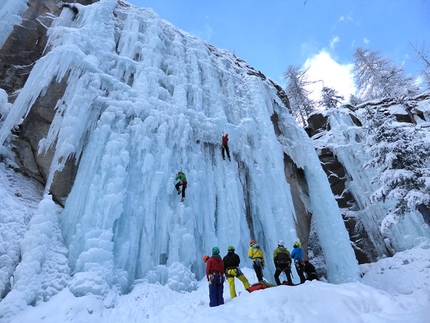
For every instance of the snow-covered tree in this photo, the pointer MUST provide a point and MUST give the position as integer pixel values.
(402, 155)
(376, 77)
(330, 98)
(301, 105)
(354, 100)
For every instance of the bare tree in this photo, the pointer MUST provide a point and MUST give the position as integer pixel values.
(301, 105)
(376, 77)
(423, 55)
(330, 98)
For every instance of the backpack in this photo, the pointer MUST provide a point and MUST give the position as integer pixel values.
(283, 258)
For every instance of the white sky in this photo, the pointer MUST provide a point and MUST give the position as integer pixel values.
(325, 71)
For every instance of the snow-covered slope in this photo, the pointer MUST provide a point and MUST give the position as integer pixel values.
(392, 290)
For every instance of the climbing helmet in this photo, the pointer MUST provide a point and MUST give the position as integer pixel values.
(215, 251)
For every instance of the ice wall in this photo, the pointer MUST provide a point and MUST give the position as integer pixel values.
(143, 101)
(346, 141)
(10, 15)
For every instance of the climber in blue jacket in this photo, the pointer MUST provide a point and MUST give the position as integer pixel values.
(296, 256)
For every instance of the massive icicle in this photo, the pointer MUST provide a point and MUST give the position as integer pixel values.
(143, 101)
(10, 15)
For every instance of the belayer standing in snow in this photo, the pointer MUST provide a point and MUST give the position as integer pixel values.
(309, 270)
(215, 276)
(225, 147)
(282, 260)
(257, 256)
(232, 270)
(297, 255)
(182, 181)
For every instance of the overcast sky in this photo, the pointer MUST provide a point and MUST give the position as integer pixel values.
(271, 35)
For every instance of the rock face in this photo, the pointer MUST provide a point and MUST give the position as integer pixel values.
(337, 176)
(25, 45)
(318, 124)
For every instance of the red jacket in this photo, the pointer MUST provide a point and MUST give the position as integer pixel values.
(214, 264)
(224, 140)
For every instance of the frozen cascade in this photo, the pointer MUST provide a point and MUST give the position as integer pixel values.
(10, 15)
(345, 142)
(144, 100)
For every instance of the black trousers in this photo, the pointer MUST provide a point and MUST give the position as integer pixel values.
(258, 271)
(225, 147)
(287, 271)
(184, 186)
(299, 268)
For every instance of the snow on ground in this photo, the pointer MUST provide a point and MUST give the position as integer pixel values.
(394, 289)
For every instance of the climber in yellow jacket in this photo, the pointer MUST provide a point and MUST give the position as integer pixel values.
(257, 256)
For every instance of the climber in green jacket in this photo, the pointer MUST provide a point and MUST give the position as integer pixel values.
(182, 181)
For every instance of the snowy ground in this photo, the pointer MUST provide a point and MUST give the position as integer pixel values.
(393, 290)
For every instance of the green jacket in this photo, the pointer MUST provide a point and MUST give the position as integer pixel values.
(181, 177)
(278, 251)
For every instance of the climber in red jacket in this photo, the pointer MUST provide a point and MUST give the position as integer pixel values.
(215, 275)
(225, 147)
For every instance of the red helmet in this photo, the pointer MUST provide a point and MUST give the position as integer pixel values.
(226, 134)
(179, 172)
(305, 260)
(252, 242)
(205, 258)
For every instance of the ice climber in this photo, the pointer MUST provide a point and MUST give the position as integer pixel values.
(225, 147)
(182, 181)
(215, 276)
(282, 261)
(232, 270)
(297, 255)
(257, 256)
(309, 270)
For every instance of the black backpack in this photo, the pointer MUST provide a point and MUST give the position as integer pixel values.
(283, 259)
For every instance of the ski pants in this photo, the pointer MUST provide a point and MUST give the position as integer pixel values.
(184, 186)
(225, 147)
(231, 274)
(287, 271)
(258, 268)
(216, 289)
(299, 268)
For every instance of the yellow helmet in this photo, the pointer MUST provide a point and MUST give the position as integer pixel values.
(297, 244)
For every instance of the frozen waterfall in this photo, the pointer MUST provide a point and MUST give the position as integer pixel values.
(143, 101)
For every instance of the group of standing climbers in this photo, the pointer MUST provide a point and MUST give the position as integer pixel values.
(217, 269)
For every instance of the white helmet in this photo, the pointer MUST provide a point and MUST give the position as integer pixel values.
(281, 243)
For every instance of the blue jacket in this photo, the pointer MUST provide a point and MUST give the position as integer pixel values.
(297, 254)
